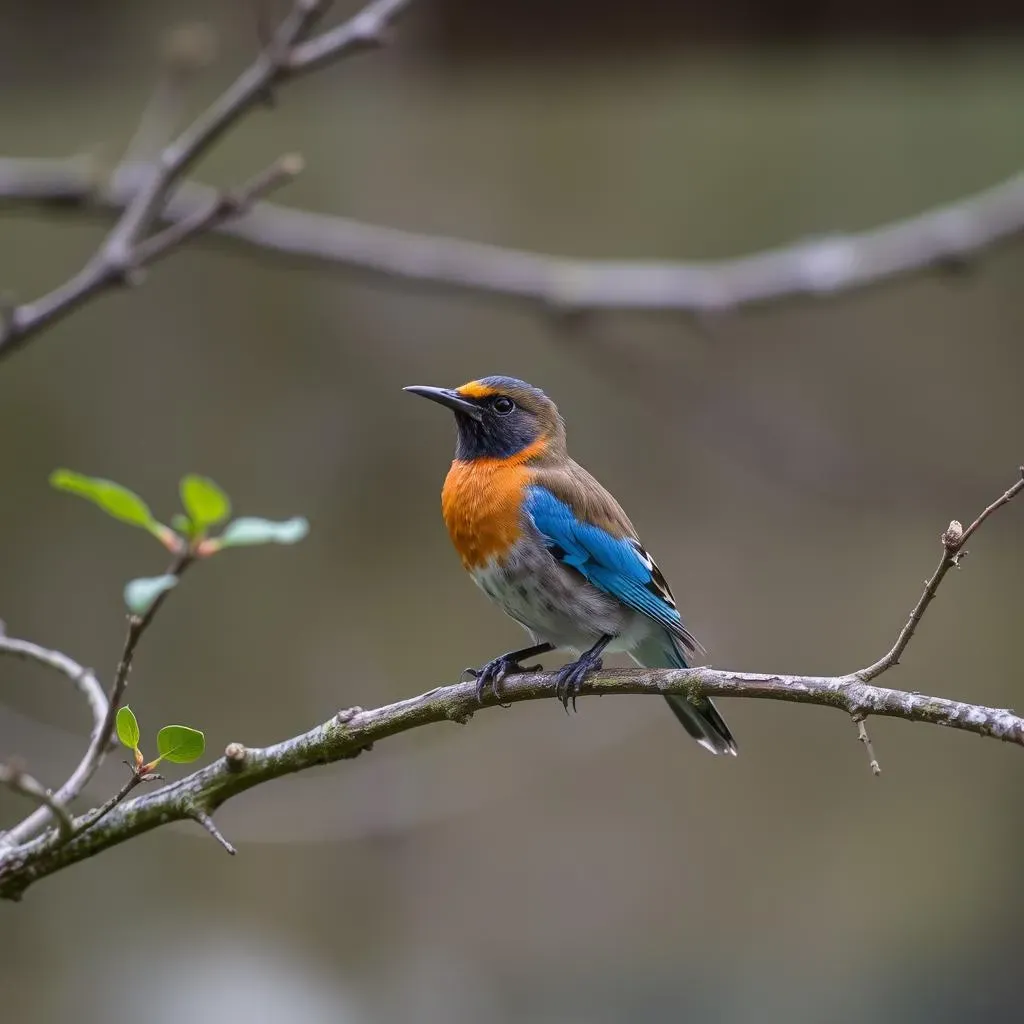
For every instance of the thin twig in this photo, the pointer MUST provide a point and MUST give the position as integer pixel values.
(103, 732)
(361, 32)
(1008, 496)
(862, 735)
(816, 268)
(233, 203)
(19, 781)
(210, 825)
(156, 128)
(90, 818)
(126, 248)
(86, 683)
(137, 626)
(953, 540)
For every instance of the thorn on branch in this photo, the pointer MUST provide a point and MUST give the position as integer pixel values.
(862, 735)
(208, 823)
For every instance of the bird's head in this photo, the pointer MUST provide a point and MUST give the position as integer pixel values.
(500, 418)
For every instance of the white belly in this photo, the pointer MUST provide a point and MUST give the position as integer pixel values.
(555, 604)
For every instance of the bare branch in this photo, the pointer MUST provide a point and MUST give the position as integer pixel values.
(14, 778)
(86, 683)
(222, 208)
(364, 31)
(862, 735)
(129, 245)
(817, 268)
(953, 540)
(156, 129)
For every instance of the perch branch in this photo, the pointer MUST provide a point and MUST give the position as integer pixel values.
(346, 735)
(129, 245)
(350, 732)
(831, 265)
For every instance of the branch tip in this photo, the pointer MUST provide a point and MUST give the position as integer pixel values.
(16, 779)
(954, 536)
(204, 819)
(235, 755)
(190, 47)
(292, 164)
(862, 735)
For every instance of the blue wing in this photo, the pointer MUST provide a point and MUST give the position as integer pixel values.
(620, 566)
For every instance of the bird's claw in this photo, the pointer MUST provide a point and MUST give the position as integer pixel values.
(493, 674)
(571, 677)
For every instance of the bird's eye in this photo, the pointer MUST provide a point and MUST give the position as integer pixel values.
(503, 405)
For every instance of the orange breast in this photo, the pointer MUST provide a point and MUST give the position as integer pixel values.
(481, 503)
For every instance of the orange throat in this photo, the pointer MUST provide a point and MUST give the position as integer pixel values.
(482, 505)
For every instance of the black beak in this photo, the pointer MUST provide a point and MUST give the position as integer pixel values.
(446, 396)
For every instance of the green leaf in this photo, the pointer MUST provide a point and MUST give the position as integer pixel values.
(183, 524)
(127, 728)
(204, 501)
(180, 744)
(250, 530)
(140, 594)
(115, 500)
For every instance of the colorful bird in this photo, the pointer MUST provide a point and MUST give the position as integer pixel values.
(544, 540)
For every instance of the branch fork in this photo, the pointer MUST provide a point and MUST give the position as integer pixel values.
(133, 243)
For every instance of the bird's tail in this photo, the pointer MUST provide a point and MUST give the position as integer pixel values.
(699, 718)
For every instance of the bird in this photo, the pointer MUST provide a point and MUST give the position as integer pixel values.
(550, 545)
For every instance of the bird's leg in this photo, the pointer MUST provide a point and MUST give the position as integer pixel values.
(570, 677)
(497, 668)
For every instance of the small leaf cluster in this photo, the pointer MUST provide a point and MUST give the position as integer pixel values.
(179, 744)
(206, 507)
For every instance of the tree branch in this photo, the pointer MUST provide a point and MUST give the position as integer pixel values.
(86, 683)
(350, 732)
(129, 244)
(104, 710)
(14, 778)
(835, 264)
(953, 540)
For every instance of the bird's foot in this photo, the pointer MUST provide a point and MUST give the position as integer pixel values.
(493, 674)
(570, 677)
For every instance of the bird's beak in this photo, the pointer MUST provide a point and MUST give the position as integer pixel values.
(446, 396)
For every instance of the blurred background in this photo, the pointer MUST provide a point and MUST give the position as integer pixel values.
(791, 467)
